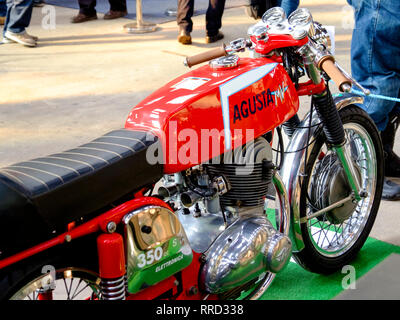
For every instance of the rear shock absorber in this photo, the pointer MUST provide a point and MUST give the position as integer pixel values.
(111, 266)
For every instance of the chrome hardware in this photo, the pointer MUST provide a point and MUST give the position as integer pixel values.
(111, 227)
(162, 247)
(189, 198)
(113, 289)
(354, 81)
(227, 62)
(201, 232)
(274, 16)
(260, 32)
(168, 192)
(237, 45)
(299, 34)
(246, 249)
(302, 18)
(221, 185)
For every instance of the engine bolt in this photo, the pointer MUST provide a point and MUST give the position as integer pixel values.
(111, 227)
(68, 238)
(193, 291)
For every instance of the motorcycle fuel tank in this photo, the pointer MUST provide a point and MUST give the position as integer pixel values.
(226, 106)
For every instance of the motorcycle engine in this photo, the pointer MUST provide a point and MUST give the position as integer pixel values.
(221, 206)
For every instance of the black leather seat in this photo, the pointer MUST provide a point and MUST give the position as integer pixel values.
(44, 194)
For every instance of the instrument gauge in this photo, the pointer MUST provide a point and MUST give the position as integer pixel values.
(274, 16)
(300, 17)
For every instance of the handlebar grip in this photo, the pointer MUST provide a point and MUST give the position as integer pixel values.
(329, 66)
(206, 56)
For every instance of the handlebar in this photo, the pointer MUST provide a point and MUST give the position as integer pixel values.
(206, 56)
(328, 65)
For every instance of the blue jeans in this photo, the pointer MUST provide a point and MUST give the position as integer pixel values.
(375, 55)
(18, 17)
(288, 5)
(3, 8)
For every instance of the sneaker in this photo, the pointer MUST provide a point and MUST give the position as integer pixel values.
(6, 40)
(33, 37)
(184, 37)
(218, 36)
(83, 18)
(22, 38)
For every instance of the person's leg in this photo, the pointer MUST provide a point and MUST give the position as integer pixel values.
(214, 17)
(118, 5)
(117, 9)
(3, 11)
(18, 16)
(288, 5)
(184, 15)
(87, 7)
(3, 8)
(375, 54)
(184, 20)
(375, 63)
(87, 11)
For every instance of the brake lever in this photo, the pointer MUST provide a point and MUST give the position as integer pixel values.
(347, 88)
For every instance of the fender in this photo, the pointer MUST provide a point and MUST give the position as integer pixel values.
(293, 164)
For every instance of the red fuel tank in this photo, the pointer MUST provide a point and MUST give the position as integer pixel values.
(207, 111)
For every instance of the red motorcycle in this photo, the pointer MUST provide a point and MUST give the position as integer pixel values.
(177, 205)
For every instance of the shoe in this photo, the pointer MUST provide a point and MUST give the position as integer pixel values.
(83, 18)
(6, 40)
(33, 37)
(392, 161)
(22, 38)
(218, 36)
(2, 20)
(391, 190)
(114, 14)
(184, 37)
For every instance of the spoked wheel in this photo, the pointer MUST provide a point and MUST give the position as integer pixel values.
(333, 238)
(69, 284)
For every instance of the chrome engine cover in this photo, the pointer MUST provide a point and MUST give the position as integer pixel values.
(247, 248)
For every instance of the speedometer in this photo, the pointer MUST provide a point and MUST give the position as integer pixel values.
(274, 16)
(300, 17)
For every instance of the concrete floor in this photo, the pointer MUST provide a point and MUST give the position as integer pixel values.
(83, 79)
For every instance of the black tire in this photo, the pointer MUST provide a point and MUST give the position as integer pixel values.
(312, 257)
(80, 254)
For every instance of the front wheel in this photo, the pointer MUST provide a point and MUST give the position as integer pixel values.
(334, 238)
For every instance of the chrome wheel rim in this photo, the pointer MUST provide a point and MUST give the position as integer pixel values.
(64, 284)
(333, 240)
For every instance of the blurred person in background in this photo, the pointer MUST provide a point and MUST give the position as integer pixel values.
(3, 11)
(18, 17)
(213, 20)
(256, 8)
(87, 10)
(375, 64)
